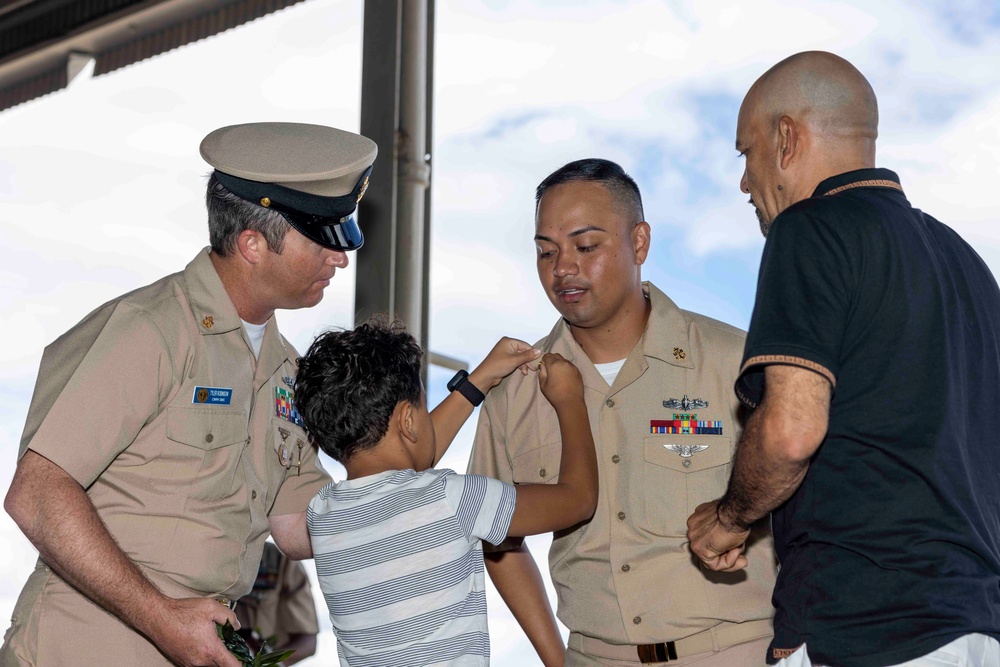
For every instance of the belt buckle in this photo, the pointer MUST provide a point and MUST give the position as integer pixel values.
(662, 652)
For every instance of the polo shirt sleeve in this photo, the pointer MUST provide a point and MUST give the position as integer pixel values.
(804, 294)
(97, 386)
(483, 506)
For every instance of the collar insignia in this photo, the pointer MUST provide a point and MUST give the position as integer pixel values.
(679, 353)
(208, 322)
(685, 403)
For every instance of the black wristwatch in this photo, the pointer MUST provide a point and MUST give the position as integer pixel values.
(464, 386)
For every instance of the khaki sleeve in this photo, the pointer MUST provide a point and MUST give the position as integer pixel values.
(298, 490)
(296, 608)
(97, 386)
(489, 452)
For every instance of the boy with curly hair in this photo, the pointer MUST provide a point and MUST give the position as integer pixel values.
(398, 543)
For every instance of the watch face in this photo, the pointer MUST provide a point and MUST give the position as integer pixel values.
(457, 380)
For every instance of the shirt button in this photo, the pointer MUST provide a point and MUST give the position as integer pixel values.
(610, 402)
(625, 567)
(686, 464)
(637, 620)
(248, 440)
(616, 458)
(209, 438)
(253, 495)
(621, 516)
(541, 473)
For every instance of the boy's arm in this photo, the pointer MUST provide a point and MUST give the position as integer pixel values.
(506, 356)
(291, 535)
(542, 508)
(516, 577)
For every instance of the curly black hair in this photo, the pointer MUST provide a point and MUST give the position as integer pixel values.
(350, 381)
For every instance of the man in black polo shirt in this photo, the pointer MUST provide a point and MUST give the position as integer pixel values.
(873, 367)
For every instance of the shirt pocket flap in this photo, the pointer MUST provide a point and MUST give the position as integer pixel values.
(687, 453)
(538, 466)
(206, 428)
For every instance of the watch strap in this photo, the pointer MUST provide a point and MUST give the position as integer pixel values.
(470, 391)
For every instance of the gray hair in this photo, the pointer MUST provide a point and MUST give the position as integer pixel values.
(228, 215)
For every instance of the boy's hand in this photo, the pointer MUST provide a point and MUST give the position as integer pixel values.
(506, 355)
(559, 380)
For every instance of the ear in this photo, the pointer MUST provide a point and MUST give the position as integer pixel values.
(789, 141)
(640, 241)
(405, 418)
(251, 245)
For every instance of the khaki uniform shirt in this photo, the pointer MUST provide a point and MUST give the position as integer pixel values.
(627, 575)
(156, 405)
(281, 603)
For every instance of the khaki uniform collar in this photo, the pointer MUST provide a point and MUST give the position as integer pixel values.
(665, 338)
(666, 335)
(215, 313)
(211, 306)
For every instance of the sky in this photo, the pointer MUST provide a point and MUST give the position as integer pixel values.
(101, 185)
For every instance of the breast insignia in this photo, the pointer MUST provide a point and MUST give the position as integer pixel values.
(686, 451)
(685, 403)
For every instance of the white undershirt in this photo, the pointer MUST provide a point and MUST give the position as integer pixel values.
(609, 371)
(255, 332)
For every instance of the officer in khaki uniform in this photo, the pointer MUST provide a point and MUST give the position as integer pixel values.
(162, 445)
(280, 606)
(665, 424)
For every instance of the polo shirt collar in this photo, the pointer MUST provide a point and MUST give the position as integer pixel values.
(859, 178)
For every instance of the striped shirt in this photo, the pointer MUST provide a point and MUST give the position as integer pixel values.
(400, 564)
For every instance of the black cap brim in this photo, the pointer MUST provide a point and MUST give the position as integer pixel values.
(337, 235)
(328, 221)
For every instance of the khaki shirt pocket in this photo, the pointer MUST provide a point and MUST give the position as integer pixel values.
(538, 466)
(679, 473)
(211, 435)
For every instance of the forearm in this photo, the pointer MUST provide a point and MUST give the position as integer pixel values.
(454, 410)
(763, 476)
(448, 418)
(517, 579)
(59, 519)
(578, 465)
(541, 508)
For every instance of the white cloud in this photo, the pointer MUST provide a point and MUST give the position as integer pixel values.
(100, 187)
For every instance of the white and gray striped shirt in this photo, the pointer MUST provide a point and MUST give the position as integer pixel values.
(400, 564)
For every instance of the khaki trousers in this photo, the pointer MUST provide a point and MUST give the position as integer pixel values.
(55, 626)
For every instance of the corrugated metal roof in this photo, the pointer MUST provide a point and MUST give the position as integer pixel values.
(37, 36)
(192, 30)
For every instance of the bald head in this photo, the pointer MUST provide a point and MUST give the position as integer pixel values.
(810, 117)
(822, 90)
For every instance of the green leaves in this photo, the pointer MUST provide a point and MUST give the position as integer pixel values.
(238, 647)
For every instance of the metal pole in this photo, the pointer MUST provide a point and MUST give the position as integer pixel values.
(414, 173)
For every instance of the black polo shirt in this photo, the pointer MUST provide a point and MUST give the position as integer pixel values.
(890, 548)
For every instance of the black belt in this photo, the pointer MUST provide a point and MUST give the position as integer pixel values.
(662, 652)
